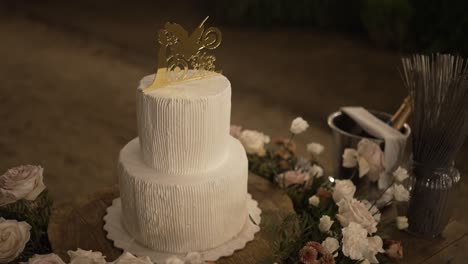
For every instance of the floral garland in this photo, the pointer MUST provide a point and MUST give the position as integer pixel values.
(330, 224)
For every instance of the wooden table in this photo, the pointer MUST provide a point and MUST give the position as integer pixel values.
(79, 224)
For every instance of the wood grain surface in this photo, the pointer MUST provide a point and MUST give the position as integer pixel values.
(79, 224)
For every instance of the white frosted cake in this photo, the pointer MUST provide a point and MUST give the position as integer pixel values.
(183, 182)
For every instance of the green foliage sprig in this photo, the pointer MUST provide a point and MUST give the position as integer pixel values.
(302, 226)
(37, 214)
(269, 166)
(298, 228)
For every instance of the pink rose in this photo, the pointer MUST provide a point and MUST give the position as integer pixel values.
(393, 249)
(22, 182)
(235, 131)
(308, 254)
(292, 177)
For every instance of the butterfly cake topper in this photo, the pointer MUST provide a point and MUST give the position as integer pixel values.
(183, 57)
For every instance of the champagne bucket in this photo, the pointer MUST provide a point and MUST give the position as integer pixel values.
(344, 136)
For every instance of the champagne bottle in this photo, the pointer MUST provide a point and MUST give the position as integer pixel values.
(402, 114)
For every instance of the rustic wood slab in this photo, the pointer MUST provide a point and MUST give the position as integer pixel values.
(445, 249)
(79, 224)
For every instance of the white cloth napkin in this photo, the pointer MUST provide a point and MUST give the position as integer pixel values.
(395, 141)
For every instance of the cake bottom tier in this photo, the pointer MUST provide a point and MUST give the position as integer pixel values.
(183, 213)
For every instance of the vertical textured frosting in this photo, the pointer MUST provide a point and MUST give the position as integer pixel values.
(184, 127)
(186, 213)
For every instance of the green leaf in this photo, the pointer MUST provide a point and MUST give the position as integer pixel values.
(35, 213)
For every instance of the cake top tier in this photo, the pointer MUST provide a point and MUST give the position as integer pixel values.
(184, 127)
(192, 89)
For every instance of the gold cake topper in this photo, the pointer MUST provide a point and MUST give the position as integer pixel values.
(180, 52)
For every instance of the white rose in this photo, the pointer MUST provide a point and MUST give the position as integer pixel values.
(174, 260)
(331, 244)
(22, 182)
(401, 222)
(316, 171)
(352, 210)
(13, 237)
(354, 241)
(386, 198)
(315, 149)
(400, 193)
(81, 256)
(371, 159)
(368, 157)
(365, 261)
(45, 259)
(375, 246)
(373, 210)
(400, 174)
(254, 142)
(314, 200)
(298, 125)
(350, 158)
(325, 224)
(194, 258)
(127, 258)
(343, 189)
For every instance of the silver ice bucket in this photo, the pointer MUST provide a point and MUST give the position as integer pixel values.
(343, 128)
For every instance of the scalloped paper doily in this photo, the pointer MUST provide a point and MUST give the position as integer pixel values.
(123, 240)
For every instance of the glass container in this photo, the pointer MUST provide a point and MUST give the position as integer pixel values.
(433, 198)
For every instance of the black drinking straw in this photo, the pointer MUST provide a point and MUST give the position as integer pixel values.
(438, 86)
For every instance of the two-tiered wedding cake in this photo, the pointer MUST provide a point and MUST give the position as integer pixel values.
(183, 182)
